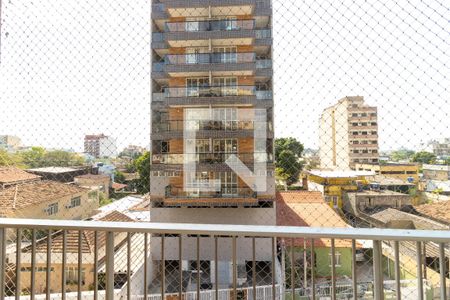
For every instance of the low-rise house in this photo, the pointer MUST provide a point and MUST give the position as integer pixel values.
(404, 172)
(334, 184)
(88, 249)
(47, 200)
(438, 187)
(10, 176)
(365, 200)
(62, 174)
(382, 182)
(306, 208)
(436, 172)
(99, 182)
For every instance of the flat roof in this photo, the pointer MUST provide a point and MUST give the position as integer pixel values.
(436, 167)
(386, 180)
(388, 164)
(54, 170)
(380, 193)
(340, 174)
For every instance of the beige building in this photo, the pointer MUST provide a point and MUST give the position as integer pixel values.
(94, 182)
(47, 200)
(403, 172)
(436, 172)
(348, 134)
(10, 142)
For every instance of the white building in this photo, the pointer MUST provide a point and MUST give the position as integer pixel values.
(100, 146)
(348, 134)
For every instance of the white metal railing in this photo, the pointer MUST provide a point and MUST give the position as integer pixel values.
(107, 246)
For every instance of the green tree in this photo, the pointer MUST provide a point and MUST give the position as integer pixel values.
(142, 164)
(424, 157)
(8, 159)
(402, 154)
(288, 152)
(119, 177)
(34, 157)
(60, 158)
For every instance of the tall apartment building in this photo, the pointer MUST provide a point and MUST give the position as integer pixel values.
(10, 142)
(100, 146)
(348, 134)
(212, 101)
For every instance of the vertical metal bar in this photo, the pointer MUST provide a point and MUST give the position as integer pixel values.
(63, 265)
(216, 262)
(33, 265)
(49, 265)
(198, 267)
(305, 268)
(80, 262)
(398, 288)
(234, 269)
(442, 271)
(2, 260)
(254, 267)
(292, 269)
(313, 265)
(180, 255)
(274, 252)
(18, 262)
(354, 276)
(128, 265)
(377, 271)
(95, 265)
(146, 266)
(333, 270)
(109, 290)
(419, 270)
(163, 268)
(424, 260)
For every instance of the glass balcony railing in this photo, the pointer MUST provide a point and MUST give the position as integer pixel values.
(209, 58)
(209, 158)
(221, 192)
(210, 25)
(206, 125)
(263, 34)
(211, 91)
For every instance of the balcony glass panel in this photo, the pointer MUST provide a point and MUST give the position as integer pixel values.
(208, 58)
(210, 91)
(210, 25)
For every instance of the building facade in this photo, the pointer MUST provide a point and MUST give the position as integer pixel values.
(100, 146)
(436, 172)
(404, 172)
(348, 134)
(211, 105)
(10, 142)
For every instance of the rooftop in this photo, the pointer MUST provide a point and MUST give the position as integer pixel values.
(54, 170)
(394, 218)
(21, 196)
(380, 193)
(436, 167)
(385, 180)
(340, 174)
(433, 185)
(439, 211)
(93, 176)
(388, 164)
(15, 175)
(308, 209)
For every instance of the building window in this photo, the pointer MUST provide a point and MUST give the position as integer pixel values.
(72, 275)
(74, 202)
(52, 209)
(165, 148)
(337, 259)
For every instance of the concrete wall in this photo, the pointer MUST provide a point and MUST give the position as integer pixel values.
(355, 202)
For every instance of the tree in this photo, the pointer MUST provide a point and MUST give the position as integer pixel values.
(424, 157)
(9, 159)
(34, 157)
(38, 157)
(142, 164)
(402, 154)
(288, 152)
(119, 177)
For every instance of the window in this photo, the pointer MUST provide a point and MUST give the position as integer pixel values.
(225, 146)
(52, 209)
(72, 275)
(228, 182)
(74, 202)
(165, 147)
(337, 259)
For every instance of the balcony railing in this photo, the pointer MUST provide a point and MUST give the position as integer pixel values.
(207, 125)
(209, 58)
(205, 190)
(209, 158)
(210, 25)
(211, 91)
(122, 264)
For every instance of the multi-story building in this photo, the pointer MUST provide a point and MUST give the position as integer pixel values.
(10, 142)
(100, 146)
(436, 172)
(404, 172)
(440, 147)
(348, 134)
(212, 103)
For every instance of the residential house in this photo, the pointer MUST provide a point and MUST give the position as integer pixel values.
(10, 176)
(405, 172)
(62, 174)
(94, 182)
(368, 200)
(436, 172)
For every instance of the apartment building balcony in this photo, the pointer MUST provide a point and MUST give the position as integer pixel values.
(361, 127)
(206, 95)
(210, 158)
(124, 270)
(173, 129)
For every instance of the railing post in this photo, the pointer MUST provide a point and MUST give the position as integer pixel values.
(2, 261)
(109, 293)
(377, 271)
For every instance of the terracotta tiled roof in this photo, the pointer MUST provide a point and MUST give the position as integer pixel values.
(14, 175)
(87, 237)
(308, 209)
(118, 186)
(93, 176)
(438, 211)
(23, 195)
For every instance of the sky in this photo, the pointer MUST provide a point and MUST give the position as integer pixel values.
(70, 68)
